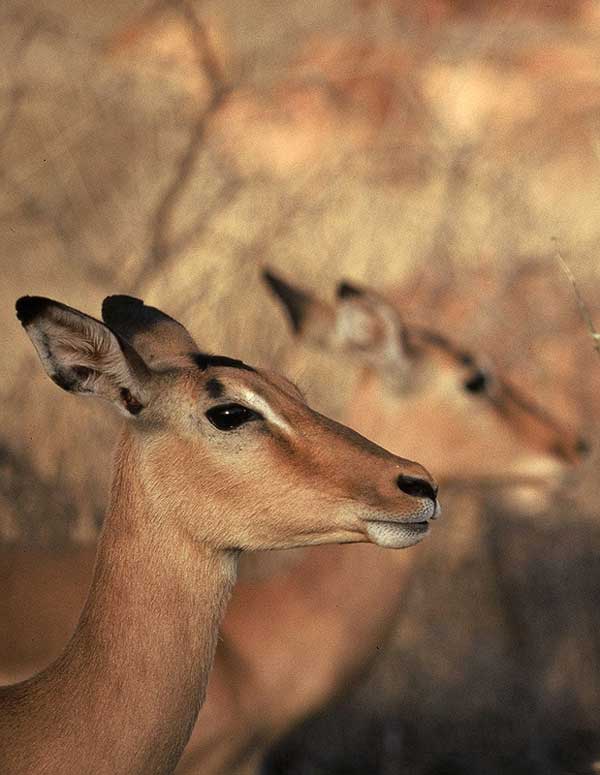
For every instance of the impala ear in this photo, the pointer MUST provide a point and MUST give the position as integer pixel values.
(296, 302)
(357, 325)
(311, 318)
(82, 355)
(156, 336)
(346, 290)
(361, 324)
(369, 325)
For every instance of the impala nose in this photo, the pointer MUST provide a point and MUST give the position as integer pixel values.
(419, 488)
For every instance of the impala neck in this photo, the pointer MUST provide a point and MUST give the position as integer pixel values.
(123, 697)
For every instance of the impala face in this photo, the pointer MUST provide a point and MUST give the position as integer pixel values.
(279, 474)
(299, 477)
(478, 423)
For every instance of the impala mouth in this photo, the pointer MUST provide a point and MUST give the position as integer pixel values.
(401, 532)
(396, 535)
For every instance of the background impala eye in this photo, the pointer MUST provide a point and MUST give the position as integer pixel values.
(477, 383)
(228, 417)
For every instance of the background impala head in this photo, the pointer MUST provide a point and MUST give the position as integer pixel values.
(202, 423)
(360, 324)
(472, 419)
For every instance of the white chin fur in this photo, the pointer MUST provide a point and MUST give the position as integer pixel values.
(396, 535)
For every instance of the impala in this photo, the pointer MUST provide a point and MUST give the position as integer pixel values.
(484, 424)
(301, 625)
(216, 457)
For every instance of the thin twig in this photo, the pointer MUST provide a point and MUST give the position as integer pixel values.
(583, 307)
(162, 245)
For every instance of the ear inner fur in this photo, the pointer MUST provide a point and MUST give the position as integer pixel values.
(81, 354)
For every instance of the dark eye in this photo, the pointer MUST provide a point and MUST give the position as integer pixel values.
(477, 383)
(228, 417)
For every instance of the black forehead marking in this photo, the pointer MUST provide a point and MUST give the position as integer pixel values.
(204, 361)
(215, 388)
(438, 340)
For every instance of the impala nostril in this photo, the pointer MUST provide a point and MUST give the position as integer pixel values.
(419, 488)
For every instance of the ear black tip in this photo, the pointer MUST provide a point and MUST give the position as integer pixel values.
(346, 290)
(271, 279)
(29, 307)
(118, 302)
(295, 301)
(278, 286)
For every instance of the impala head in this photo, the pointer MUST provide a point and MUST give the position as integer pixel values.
(441, 402)
(233, 453)
(360, 324)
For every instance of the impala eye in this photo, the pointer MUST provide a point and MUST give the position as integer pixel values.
(477, 383)
(228, 417)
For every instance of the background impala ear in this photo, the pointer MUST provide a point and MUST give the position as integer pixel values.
(368, 324)
(346, 290)
(311, 318)
(82, 355)
(156, 336)
(361, 323)
(296, 302)
(358, 327)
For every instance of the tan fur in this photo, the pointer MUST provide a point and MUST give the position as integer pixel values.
(186, 497)
(301, 625)
(313, 606)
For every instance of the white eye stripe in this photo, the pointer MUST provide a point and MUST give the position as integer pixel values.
(259, 404)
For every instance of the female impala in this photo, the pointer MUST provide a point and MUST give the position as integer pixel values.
(217, 457)
(434, 395)
(296, 634)
(483, 423)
